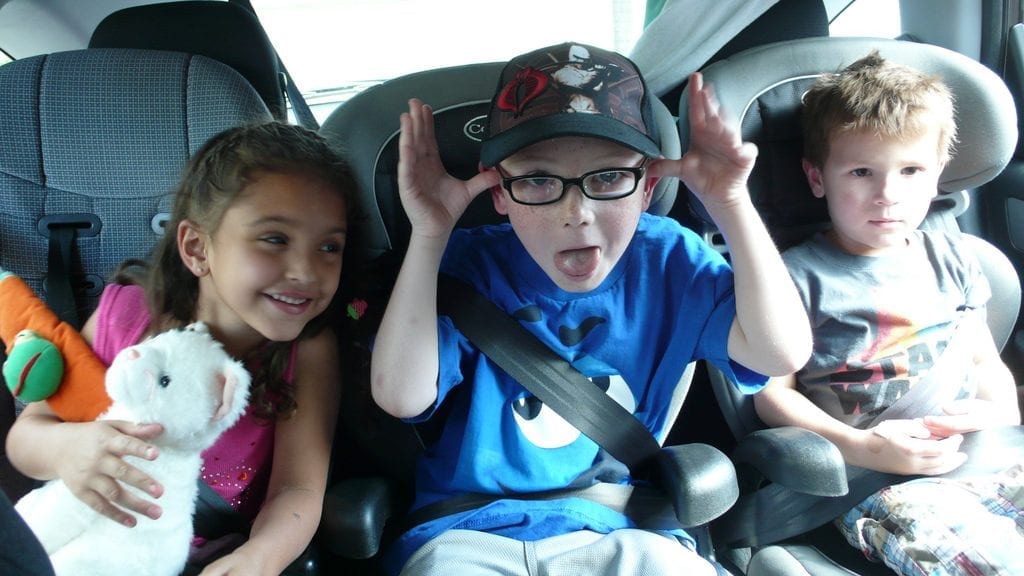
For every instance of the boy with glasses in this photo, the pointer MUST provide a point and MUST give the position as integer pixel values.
(628, 298)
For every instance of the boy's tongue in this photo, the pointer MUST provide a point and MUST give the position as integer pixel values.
(579, 262)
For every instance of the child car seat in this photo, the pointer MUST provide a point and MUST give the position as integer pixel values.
(760, 90)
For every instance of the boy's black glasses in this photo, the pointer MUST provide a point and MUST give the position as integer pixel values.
(604, 184)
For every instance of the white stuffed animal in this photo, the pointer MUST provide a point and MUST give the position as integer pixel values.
(184, 380)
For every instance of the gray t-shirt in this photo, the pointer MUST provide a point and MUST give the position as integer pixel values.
(880, 322)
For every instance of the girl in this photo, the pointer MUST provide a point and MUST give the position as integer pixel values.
(253, 249)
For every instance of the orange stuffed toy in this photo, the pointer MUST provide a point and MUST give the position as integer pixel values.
(81, 396)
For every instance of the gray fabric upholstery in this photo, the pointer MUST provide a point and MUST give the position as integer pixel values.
(104, 133)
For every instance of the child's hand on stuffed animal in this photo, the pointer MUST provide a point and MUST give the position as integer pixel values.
(95, 471)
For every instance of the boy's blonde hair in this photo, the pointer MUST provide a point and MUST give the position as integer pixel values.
(880, 97)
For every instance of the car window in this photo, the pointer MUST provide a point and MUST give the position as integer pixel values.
(877, 18)
(335, 48)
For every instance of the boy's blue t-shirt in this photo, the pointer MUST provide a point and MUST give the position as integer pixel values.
(667, 302)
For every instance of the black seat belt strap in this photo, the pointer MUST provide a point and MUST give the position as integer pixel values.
(59, 295)
(549, 377)
(214, 516)
(303, 114)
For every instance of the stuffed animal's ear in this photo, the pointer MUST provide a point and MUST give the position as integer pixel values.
(227, 384)
(229, 380)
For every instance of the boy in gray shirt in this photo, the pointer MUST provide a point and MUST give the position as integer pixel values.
(903, 362)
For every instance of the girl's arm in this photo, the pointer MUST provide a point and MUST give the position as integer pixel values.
(290, 515)
(900, 446)
(771, 333)
(404, 364)
(87, 456)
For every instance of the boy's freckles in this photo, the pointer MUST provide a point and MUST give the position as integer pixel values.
(577, 241)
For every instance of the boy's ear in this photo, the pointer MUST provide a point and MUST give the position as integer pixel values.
(498, 196)
(649, 185)
(500, 200)
(814, 178)
(192, 247)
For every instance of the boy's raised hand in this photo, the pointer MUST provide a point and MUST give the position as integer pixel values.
(718, 163)
(433, 199)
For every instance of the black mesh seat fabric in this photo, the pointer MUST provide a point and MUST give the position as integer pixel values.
(223, 31)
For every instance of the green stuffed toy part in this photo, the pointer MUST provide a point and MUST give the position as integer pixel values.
(34, 368)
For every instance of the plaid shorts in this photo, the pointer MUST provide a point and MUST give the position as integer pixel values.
(937, 526)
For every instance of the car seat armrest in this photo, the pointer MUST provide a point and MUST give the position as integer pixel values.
(700, 480)
(794, 458)
(355, 511)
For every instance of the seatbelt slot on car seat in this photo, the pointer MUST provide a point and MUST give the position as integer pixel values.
(62, 229)
(158, 224)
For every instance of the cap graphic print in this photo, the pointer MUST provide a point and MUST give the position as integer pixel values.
(569, 90)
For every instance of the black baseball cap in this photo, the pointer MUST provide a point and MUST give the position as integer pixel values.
(569, 90)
